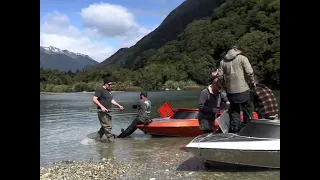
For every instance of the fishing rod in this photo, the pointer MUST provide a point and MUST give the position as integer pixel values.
(109, 110)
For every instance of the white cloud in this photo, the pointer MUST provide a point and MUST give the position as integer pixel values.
(101, 21)
(57, 31)
(107, 19)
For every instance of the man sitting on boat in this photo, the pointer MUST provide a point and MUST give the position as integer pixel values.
(143, 117)
(209, 104)
(265, 102)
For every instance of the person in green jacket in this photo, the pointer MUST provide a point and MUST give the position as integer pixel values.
(237, 76)
(143, 107)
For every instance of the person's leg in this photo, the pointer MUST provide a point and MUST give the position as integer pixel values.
(272, 117)
(234, 113)
(106, 124)
(205, 125)
(130, 129)
(246, 110)
(260, 116)
(100, 133)
(101, 130)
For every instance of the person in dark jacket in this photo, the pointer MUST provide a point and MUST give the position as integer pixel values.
(143, 107)
(265, 102)
(209, 103)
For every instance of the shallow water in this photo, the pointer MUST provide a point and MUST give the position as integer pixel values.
(68, 122)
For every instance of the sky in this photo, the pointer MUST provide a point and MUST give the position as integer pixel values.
(99, 28)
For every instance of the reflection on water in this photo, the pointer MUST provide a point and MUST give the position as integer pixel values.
(68, 123)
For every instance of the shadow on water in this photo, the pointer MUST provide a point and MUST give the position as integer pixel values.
(195, 164)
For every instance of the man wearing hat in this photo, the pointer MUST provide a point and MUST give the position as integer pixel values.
(237, 75)
(103, 98)
(143, 107)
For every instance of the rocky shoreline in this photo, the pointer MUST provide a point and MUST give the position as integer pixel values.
(106, 169)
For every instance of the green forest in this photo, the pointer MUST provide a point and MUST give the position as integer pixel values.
(188, 60)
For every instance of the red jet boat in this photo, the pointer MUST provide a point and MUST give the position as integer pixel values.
(181, 122)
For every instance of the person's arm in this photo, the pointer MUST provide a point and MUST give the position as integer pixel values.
(135, 106)
(248, 70)
(255, 98)
(116, 104)
(202, 106)
(224, 98)
(97, 94)
(220, 73)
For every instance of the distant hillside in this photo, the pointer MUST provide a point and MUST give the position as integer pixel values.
(188, 46)
(169, 29)
(55, 58)
(112, 59)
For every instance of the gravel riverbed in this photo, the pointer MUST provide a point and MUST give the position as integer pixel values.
(162, 165)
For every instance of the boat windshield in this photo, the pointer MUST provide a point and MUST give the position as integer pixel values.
(185, 115)
(261, 129)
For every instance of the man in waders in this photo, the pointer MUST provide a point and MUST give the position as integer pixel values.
(265, 102)
(104, 100)
(143, 107)
(237, 76)
(209, 103)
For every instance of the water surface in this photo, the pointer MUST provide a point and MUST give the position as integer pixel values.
(66, 121)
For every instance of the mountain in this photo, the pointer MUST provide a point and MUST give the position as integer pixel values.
(55, 58)
(190, 42)
(112, 59)
(169, 29)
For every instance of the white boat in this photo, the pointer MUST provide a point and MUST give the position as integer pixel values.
(257, 144)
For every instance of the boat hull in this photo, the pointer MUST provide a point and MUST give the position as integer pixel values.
(178, 122)
(257, 144)
(174, 128)
(268, 159)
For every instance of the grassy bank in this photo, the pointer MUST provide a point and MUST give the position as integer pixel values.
(120, 86)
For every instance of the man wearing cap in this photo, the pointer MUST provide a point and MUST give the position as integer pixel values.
(143, 107)
(237, 75)
(103, 98)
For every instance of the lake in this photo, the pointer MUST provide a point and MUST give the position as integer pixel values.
(67, 119)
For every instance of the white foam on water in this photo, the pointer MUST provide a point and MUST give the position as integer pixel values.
(87, 141)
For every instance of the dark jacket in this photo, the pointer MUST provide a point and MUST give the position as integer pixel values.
(209, 104)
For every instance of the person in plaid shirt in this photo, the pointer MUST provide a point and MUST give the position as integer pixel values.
(264, 101)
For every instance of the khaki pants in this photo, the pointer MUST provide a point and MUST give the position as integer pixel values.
(106, 124)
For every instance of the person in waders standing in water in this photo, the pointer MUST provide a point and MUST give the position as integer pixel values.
(237, 76)
(103, 98)
(143, 107)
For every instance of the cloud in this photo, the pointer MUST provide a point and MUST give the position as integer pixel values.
(108, 20)
(57, 31)
(101, 21)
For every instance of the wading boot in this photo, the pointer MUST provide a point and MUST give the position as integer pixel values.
(98, 137)
(111, 136)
